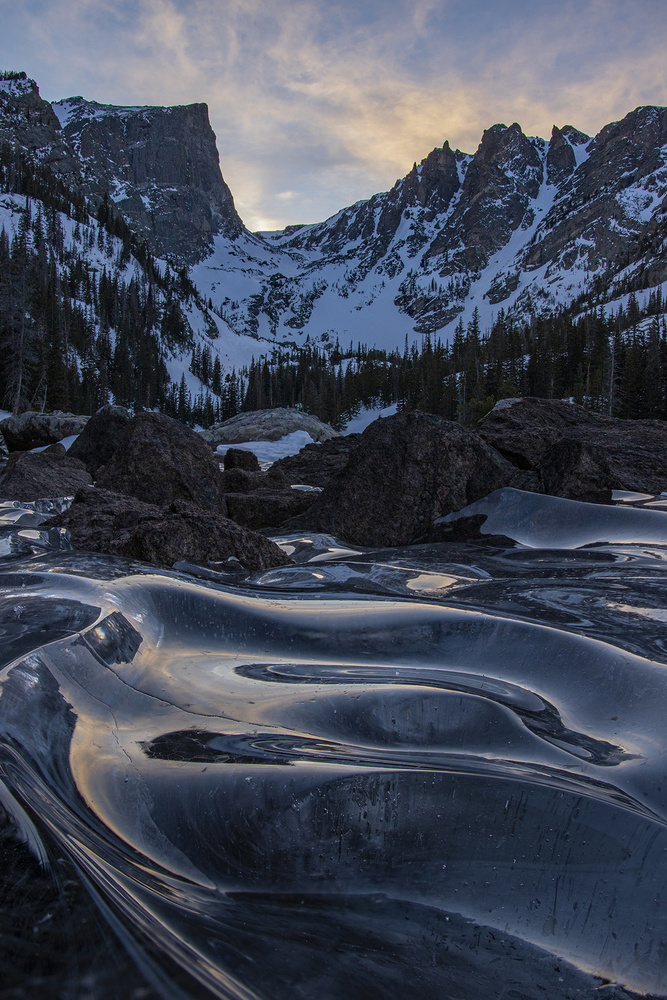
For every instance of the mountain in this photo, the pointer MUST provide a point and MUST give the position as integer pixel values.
(92, 201)
(522, 229)
(159, 166)
(523, 225)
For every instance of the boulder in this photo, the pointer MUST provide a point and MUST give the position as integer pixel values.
(262, 499)
(52, 473)
(97, 443)
(268, 508)
(577, 470)
(239, 458)
(524, 429)
(576, 453)
(34, 430)
(266, 425)
(317, 464)
(102, 521)
(405, 471)
(242, 481)
(159, 460)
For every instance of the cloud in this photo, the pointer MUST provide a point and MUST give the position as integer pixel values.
(329, 100)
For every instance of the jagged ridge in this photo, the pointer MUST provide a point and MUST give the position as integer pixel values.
(523, 225)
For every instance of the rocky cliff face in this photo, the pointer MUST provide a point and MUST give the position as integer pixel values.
(504, 177)
(159, 166)
(611, 210)
(26, 119)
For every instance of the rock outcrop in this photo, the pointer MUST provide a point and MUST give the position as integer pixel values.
(403, 473)
(102, 521)
(263, 499)
(561, 156)
(239, 458)
(575, 453)
(503, 178)
(36, 430)
(597, 220)
(97, 443)
(160, 167)
(159, 460)
(524, 429)
(268, 509)
(318, 464)
(29, 121)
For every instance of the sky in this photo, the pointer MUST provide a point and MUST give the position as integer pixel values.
(319, 103)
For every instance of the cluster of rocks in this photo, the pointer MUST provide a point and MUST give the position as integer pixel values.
(37, 430)
(406, 471)
(160, 496)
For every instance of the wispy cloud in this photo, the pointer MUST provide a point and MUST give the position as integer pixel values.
(317, 103)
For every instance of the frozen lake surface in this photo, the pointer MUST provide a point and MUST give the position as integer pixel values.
(439, 769)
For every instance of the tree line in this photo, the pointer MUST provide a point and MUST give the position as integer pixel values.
(87, 316)
(614, 363)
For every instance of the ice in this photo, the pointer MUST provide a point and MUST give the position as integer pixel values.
(554, 523)
(66, 442)
(439, 764)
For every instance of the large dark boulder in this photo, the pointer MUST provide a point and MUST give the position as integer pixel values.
(97, 443)
(159, 460)
(405, 471)
(36, 430)
(523, 430)
(51, 473)
(242, 481)
(576, 469)
(317, 464)
(576, 453)
(102, 521)
(240, 458)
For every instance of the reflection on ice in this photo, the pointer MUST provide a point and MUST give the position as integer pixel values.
(440, 767)
(19, 520)
(553, 523)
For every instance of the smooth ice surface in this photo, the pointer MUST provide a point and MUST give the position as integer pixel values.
(553, 522)
(438, 769)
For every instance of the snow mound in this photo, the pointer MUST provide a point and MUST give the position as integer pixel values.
(268, 452)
